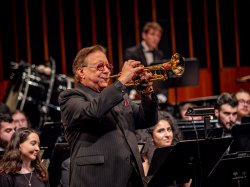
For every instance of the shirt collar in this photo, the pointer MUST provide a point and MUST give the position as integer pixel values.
(145, 46)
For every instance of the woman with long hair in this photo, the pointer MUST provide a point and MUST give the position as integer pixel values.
(21, 164)
(165, 133)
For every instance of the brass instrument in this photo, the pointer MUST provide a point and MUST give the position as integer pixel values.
(160, 71)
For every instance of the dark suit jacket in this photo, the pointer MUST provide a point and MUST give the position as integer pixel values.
(64, 182)
(101, 153)
(136, 53)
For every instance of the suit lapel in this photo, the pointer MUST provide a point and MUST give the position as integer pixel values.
(141, 55)
(130, 140)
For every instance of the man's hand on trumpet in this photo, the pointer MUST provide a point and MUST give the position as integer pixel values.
(134, 74)
(146, 84)
(130, 71)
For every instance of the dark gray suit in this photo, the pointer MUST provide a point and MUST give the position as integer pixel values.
(64, 181)
(100, 129)
(136, 53)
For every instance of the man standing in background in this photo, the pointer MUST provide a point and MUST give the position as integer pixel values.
(147, 51)
(148, 54)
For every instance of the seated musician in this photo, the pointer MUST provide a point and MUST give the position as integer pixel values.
(243, 109)
(7, 128)
(20, 119)
(163, 134)
(226, 112)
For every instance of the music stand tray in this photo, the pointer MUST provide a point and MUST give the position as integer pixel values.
(232, 171)
(195, 129)
(187, 159)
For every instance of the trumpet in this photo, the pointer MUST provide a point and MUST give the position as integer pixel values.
(176, 65)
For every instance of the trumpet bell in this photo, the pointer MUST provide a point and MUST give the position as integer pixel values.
(175, 65)
(178, 64)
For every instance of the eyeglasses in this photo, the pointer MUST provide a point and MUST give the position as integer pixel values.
(100, 66)
(242, 101)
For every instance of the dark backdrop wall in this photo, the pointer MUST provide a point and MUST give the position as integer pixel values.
(213, 31)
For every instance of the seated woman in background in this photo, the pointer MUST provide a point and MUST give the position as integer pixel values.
(21, 163)
(165, 133)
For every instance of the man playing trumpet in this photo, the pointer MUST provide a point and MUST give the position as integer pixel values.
(100, 121)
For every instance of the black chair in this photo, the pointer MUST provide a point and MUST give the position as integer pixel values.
(60, 153)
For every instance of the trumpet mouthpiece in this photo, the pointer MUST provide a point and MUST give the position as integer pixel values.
(114, 76)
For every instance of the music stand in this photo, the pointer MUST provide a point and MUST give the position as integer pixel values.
(241, 138)
(195, 129)
(187, 159)
(192, 134)
(50, 134)
(206, 112)
(190, 77)
(232, 171)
